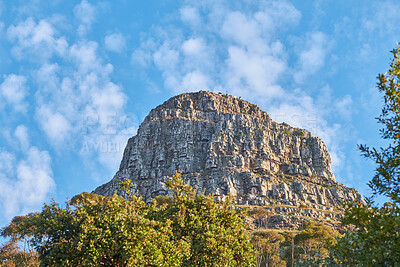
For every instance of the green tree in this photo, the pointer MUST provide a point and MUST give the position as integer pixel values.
(261, 216)
(387, 176)
(92, 230)
(214, 232)
(99, 231)
(267, 245)
(315, 240)
(18, 250)
(376, 238)
(11, 255)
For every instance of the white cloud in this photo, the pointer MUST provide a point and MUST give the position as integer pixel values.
(47, 77)
(166, 57)
(254, 74)
(298, 111)
(84, 55)
(384, 20)
(365, 52)
(194, 47)
(312, 58)
(344, 107)
(195, 81)
(141, 57)
(190, 15)
(338, 109)
(25, 183)
(54, 124)
(21, 133)
(86, 14)
(79, 106)
(242, 30)
(34, 177)
(37, 39)
(109, 147)
(108, 102)
(7, 161)
(76, 89)
(233, 49)
(277, 14)
(14, 90)
(115, 42)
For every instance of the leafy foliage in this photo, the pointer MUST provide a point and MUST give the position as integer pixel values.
(214, 233)
(315, 240)
(387, 177)
(187, 230)
(376, 239)
(261, 216)
(11, 255)
(18, 251)
(267, 246)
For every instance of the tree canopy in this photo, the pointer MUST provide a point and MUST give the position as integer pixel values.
(92, 230)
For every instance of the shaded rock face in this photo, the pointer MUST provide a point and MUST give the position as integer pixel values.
(224, 145)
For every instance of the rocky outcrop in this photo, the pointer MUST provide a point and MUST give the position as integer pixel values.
(224, 145)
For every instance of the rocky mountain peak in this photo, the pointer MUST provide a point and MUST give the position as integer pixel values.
(222, 144)
(194, 105)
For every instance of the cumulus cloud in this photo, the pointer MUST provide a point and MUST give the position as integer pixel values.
(253, 73)
(14, 90)
(190, 15)
(115, 42)
(344, 107)
(336, 108)
(277, 14)
(193, 47)
(232, 49)
(7, 162)
(55, 125)
(76, 103)
(312, 58)
(87, 104)
(21, 133)
(84, 55)
(24, 183)
(166, 57)
(38, 39)
(86, 14)
(141, 57)
(384, 20)
(195, 81)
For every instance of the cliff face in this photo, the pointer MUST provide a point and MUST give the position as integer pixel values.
(225, 145)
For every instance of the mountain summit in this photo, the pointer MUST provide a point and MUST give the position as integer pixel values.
(224, 145)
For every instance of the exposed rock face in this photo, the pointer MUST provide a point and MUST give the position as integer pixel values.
(225, 145)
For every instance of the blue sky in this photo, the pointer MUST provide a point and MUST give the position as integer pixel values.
(78, 77)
